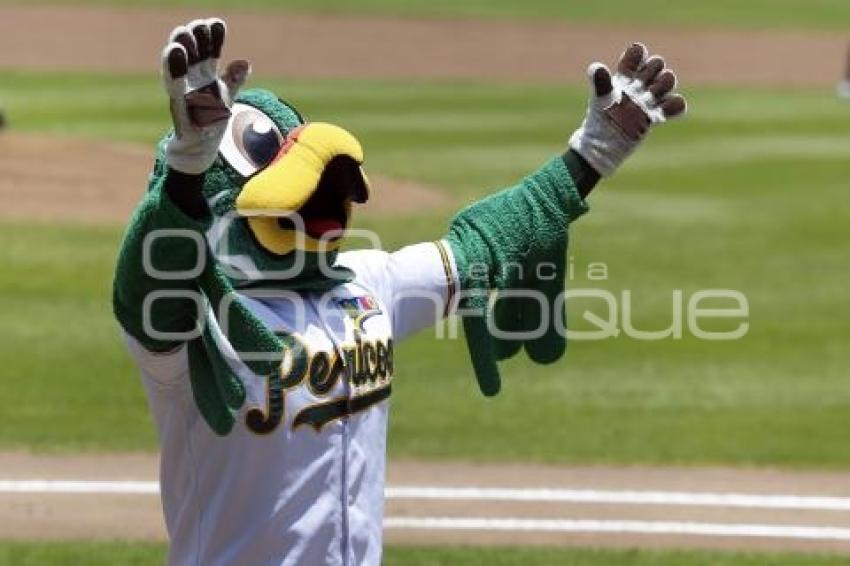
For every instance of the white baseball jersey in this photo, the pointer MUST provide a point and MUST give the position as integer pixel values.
(300, 478)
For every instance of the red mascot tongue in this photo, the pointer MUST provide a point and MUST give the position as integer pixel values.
(318, 227)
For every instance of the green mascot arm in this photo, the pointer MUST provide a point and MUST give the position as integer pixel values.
(514, 243)
(515, 240)
(162, 242)
(169, 289)
(164, 260)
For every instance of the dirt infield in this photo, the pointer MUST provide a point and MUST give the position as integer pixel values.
(124, 39)
(90, 181)
(125, 515)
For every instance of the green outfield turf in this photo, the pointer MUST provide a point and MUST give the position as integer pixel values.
(749, 193)
(752, 13)
(138, 554)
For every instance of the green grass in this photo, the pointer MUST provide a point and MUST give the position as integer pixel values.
(67, 381)
(89, 553)
(137, 554)
(748, 193)
(752, 13)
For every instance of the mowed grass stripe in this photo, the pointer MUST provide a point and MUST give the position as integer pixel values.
(753, 13)
(132, 554)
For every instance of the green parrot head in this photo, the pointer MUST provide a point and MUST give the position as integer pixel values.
(281, 191)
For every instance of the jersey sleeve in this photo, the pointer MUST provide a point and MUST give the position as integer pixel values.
(418, 283)
(163, 368)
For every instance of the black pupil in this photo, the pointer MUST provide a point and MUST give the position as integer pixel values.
(261, 146)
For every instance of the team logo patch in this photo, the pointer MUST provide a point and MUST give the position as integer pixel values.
(359, 309)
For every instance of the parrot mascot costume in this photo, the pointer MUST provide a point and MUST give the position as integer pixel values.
(267, 354)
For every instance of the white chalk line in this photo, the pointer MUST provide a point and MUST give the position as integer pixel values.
(618, 527)
(541, 495)
(694, 499)
(129, 487)
(135, 487)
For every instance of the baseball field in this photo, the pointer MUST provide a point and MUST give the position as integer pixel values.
(675, 450)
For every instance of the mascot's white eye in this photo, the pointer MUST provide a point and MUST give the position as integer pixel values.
(251, 141)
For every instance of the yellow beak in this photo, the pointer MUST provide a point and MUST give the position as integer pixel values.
(288, 182)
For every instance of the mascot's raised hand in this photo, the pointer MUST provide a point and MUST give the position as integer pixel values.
(530, 222)
(624, 107)
(169, 288)
(200, 99)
